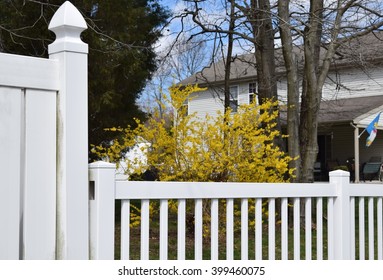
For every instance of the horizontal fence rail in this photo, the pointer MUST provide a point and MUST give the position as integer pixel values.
(195, 220)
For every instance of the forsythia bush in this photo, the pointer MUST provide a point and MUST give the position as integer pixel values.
(231, 147)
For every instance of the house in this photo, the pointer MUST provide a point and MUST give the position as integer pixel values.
(352, 97)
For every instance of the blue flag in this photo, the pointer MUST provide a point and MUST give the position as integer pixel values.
(372, 130)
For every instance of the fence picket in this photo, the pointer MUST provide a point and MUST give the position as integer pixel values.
(125, 229)
(145, 229)
(229, 229)
(198, 224)
(181, 232)
(284, 231)
(361, 229)
(330, 228)
(258, 229)
(271, 231)
(308, 236)
(163, 229)
(297, 228)
(371, 232)
(244, 229)
(352, 224)
(214, 229)
(380, 228)
(319, 226)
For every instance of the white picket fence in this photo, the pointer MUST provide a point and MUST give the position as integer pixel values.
(337, 206)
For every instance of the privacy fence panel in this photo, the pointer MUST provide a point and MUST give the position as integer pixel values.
(27, 173)
(28, 92)
(44, 147)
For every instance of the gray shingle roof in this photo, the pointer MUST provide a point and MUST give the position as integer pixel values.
(345, 110)
(359, 51)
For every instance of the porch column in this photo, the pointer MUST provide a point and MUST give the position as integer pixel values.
(356, 153)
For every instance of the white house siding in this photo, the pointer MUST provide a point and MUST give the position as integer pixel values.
(348, 83)
(212, 101)
(354, 83)
(205, 102)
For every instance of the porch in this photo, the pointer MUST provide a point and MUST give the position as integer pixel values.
(341, 140)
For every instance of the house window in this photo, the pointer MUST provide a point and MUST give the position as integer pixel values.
(252, 92)
(234, 98)
(184, 110)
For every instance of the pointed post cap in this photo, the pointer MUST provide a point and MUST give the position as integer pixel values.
(68, 24)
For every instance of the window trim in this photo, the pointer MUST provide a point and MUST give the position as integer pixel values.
(234, 99)
(252, 92)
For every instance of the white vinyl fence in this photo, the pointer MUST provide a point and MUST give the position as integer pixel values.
(51, 209)
(43, 147)
(334, 222)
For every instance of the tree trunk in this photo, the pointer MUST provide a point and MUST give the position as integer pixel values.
(263, 32)
(292, 86)
(229, 58)
(312, 92)
(264, 50)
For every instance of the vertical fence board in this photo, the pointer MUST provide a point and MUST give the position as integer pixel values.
(330, 228)
(308, 235)
(297, 228)
(145, 229)
(198, 224)
(361, 229)
(11, 169)
(229, 229)
(380, 228)
(163, 229)
(40, 179)
(285, 228)
(214, 229)
(319, 220)
(181, 232)
(352, 225)
(371, 232)
(125, 229)
(258, 229)
(271, 232)
(244, 229)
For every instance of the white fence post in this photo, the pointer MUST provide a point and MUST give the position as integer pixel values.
(72, 133)
(342, 223)
(101, 210)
